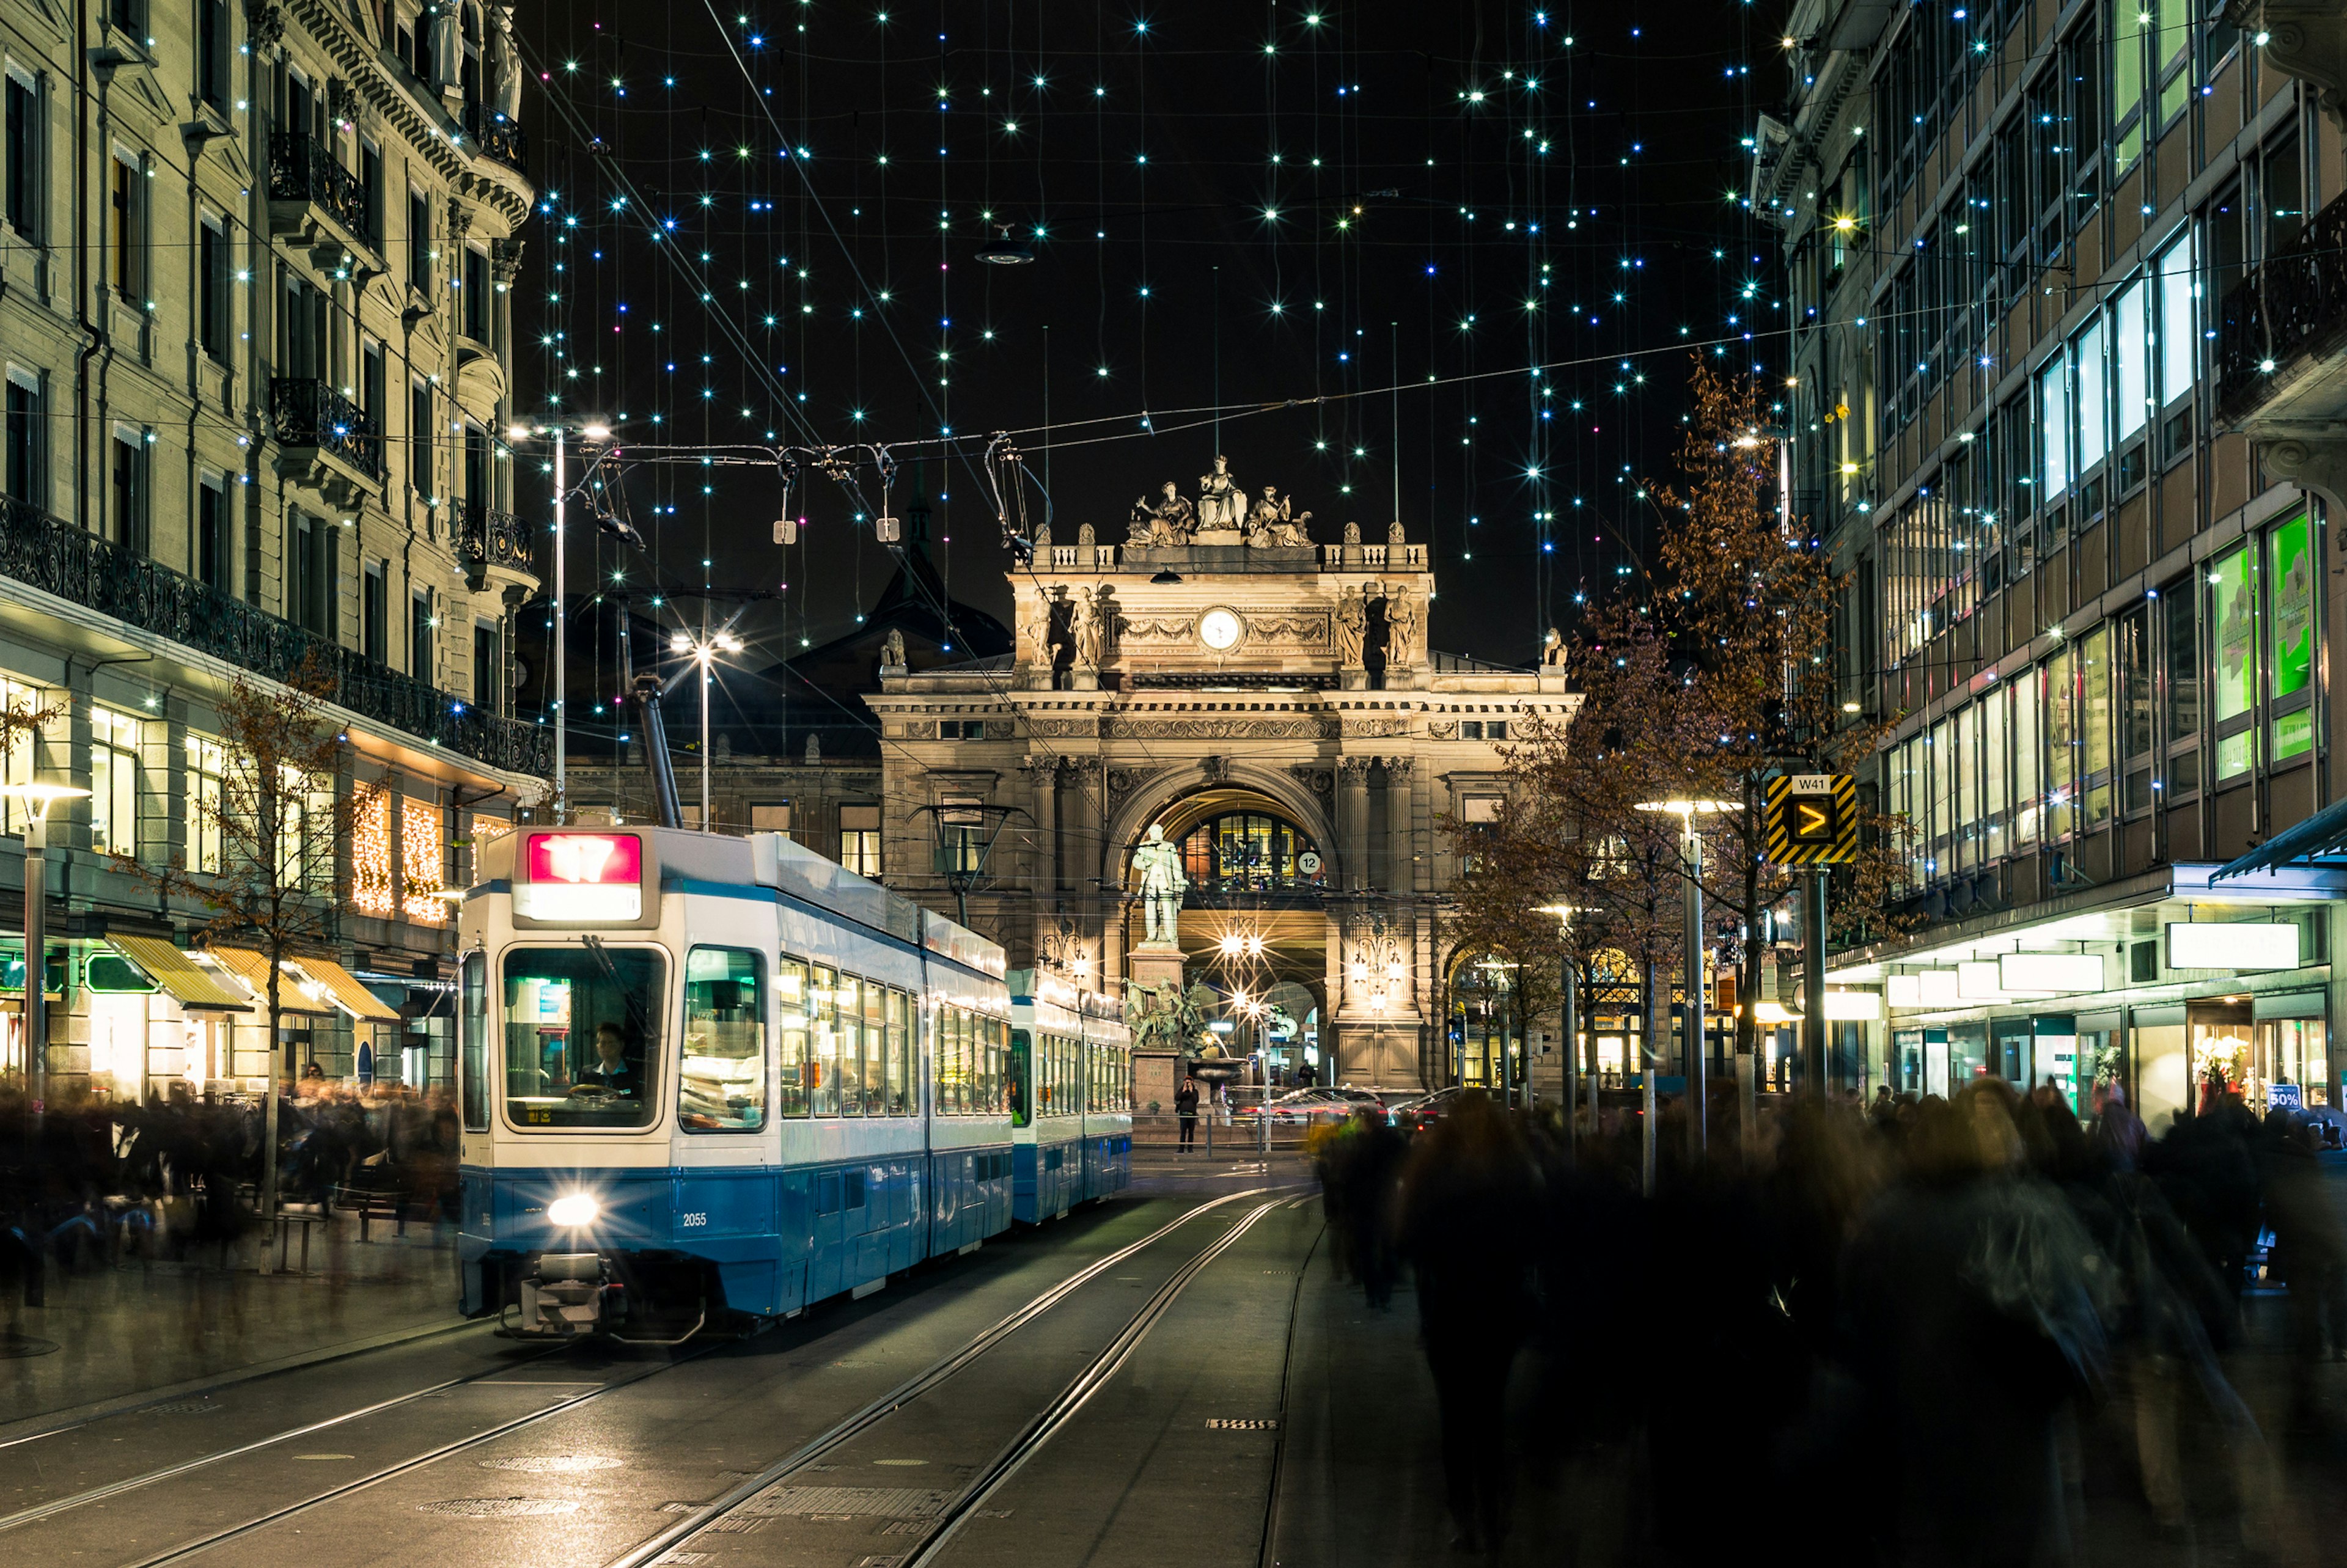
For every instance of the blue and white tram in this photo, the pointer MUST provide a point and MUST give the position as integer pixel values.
(1108, 1097)
(704, 1076)
(1071, 1107)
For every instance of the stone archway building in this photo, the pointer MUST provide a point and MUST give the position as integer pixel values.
(1242, 662)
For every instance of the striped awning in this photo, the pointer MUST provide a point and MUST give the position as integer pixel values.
(177, 974)
(253, 968)
(348, 993)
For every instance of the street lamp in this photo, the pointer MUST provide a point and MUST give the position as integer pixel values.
(37, 799)
(1687, 810)
(702, 653)
(597, 431)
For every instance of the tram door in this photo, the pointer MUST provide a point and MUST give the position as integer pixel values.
(1023, 1111)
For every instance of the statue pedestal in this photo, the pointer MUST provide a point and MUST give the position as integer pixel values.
(1154, 964)
(1352, 679)
(1083, 679)
(1211, 537)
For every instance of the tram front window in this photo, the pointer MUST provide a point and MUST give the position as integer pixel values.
(582, 1035)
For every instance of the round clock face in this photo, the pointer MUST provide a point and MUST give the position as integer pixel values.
(1218, 629)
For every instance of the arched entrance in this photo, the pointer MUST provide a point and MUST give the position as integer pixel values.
(1485, 1029)
(1254, 930)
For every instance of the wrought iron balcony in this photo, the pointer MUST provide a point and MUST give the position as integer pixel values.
(303, 169)
(2285, 317)
(490, 541)
(307, 413)
(76, 565)
(498, 137)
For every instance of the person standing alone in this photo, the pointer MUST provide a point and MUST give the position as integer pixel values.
(1185, 1107)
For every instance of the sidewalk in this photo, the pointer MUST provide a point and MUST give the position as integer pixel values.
(148, 1326)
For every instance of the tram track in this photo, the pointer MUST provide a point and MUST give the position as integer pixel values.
(841, 1433)
(1032, 1437)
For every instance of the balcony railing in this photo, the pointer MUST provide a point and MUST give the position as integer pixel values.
(305, 412)
(487, 539)
(2293, 305)
(302, 169)
(76, 565)
(498, 137)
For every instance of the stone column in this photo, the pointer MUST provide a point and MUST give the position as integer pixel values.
(1400, 818)
(1353, 819)
(1043, 802)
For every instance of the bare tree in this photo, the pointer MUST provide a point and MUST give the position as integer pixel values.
(268, 877)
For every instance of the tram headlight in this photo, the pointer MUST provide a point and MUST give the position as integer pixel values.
(574, 1211)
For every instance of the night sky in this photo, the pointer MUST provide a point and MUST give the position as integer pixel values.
(762, 226)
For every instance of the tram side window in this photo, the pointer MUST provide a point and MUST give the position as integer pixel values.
(900, 1058)
(852, 1048)
(877, 1050)
(723, 1066)
(791, 999)
(998, 1036)
(957, 1059)
(824, 1078)
(1022, 1055)
(582, 1035)
(473, 1043)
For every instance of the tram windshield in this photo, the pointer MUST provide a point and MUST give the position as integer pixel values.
(582, 1035)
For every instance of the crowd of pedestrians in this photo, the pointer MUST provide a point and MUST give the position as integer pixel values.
(93, 1178)
(1954, 1309)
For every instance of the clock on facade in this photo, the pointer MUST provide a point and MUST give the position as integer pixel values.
(1219, 629)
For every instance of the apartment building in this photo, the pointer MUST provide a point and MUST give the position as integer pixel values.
(2090, 584)
(255, 273)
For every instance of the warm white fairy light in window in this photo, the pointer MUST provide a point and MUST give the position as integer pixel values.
(420, 860)
(371, 857)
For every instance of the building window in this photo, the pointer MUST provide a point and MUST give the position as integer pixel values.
(28, 439)
(419, 241)
(114, 781)
(371, 191)
(23, 130)
(210, 551)
(477, 297)
(486, 666)
(214, 310)
(207, 765)
(771, 817)
(211, 52)
(1247, 852)
(374, 613)
(419, 440)
(964, 849)
(129, 203)
(129, 470)
(20, 748)
(130, 15)
(421, 626)
(859, 839)
(310, 548)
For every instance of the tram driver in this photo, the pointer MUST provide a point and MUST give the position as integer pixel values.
(609, 1073)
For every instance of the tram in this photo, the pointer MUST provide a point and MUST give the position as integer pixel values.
(708, 1079)
(1071, 1097)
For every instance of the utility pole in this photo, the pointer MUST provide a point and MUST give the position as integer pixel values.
(1692, 1034)
(1813, 982)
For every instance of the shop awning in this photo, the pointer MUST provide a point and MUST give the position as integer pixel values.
(177, 973)
(348, 994)
(253, 968)
(2320, 837)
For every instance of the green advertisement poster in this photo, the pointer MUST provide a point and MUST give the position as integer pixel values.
(2290, 649)
(2234, 608)
(2293, 634)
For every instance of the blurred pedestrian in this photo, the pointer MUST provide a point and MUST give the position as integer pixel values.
(1185, 1111)
(1468, 1206)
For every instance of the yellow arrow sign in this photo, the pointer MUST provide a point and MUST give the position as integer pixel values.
(1812, 821)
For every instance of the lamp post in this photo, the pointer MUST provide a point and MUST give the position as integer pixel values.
(37, 799)
(1569, 1024)
(702, 653)
(1691, 1031)
(593, 431)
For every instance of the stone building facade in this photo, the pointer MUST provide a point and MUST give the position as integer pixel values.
(254, 308)
(1268, 704)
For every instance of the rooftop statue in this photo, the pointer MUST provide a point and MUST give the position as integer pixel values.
(1171, 521)
(1221, 504)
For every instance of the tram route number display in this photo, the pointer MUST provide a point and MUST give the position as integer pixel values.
(1812, 819)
